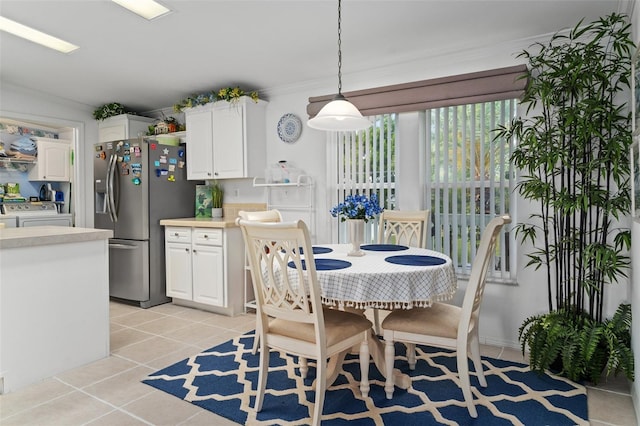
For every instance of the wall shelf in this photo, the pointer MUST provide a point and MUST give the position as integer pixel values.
(303, 180)
(182, 136)
(295, 201)
(15, 164)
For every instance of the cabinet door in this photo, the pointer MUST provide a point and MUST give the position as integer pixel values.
(123, 126)
(199, 143)
(53, 161)
(115, 132)
(228, 142)
(178, 270)
(208, 275)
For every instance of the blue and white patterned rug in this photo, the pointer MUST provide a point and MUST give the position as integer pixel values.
(223, 380)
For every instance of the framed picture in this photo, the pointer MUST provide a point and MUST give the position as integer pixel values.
(634, 156)
(635, 91)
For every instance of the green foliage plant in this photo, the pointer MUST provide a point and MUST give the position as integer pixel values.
(585, 347)
(108, 110)
(229, 94)
(217, 194)
(572, 155)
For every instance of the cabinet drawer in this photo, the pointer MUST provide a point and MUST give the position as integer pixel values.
(207, 236)
(177, 235)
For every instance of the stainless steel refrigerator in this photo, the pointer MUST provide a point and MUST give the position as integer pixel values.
(138, 182)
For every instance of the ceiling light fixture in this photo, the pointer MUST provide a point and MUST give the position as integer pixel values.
(35, 36)
(148, 9)
(339, 114)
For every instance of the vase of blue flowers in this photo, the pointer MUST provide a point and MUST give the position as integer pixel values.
(357, 210)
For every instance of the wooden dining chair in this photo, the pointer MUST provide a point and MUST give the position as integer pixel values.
(260, 216)
(445, 325)
(407, 228)
(292, 318)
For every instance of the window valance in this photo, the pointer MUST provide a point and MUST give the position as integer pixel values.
(483, 86)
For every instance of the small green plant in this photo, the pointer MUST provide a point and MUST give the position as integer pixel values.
(217, 194)
(109, 110)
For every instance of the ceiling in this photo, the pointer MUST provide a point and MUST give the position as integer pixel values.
(265, 45)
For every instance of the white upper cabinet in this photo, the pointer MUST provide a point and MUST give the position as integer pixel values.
(123, 126)
(226, 140)
(199, 123)
(53, 161)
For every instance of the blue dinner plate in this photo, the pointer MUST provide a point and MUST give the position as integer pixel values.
(383, 247)
(325, 264)
(415, 260)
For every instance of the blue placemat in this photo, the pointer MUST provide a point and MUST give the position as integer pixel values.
(383, 247)
(318, 250)
(415, 260)
(325, 264)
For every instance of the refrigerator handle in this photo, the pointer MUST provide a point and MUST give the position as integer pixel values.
(111, 205)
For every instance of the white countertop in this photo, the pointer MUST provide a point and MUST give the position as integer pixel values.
(201, 222)
(44, 235)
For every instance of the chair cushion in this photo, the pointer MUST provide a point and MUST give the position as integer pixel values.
(441, 319)
(339, 325)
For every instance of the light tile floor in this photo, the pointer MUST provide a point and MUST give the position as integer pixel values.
(110, 392)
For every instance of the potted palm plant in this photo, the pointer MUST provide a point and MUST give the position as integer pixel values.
(572, 154)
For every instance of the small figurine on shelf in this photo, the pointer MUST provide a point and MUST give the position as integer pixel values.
(172, 124)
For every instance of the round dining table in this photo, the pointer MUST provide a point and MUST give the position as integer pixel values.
(387, 276)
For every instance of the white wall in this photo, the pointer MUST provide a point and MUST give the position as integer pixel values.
(634, 288)
(635, 308)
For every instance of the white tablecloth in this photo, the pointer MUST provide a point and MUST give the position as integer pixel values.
(372, 282)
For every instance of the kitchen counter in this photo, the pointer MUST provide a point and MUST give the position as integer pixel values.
(54, 301)
(230, 212)
(201, 222)
(46, 235)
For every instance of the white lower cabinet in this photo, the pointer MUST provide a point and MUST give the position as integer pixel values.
(201, 268)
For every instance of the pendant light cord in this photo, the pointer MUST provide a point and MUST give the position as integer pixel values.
(339, 48)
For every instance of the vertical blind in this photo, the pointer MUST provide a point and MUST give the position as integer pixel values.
(366, 165)
(469, 180)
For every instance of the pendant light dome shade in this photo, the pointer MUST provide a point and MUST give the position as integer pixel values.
(339, 115)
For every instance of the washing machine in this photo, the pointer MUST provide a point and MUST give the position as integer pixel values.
(41, 213)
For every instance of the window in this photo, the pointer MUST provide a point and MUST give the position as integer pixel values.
(469, 180)
(366, 164)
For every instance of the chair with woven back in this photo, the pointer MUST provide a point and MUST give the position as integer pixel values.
(291, 316)
(445, 325)
(407, 228)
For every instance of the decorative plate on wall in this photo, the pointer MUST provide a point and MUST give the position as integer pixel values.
(289, 128)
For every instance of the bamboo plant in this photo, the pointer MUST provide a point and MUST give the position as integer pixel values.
(572, 155)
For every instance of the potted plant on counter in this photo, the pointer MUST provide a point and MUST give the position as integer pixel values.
(217, 194)
(572, 154)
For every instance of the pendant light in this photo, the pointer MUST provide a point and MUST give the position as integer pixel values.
(339, 114)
